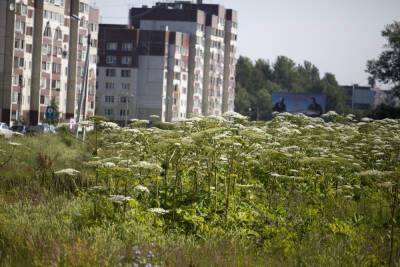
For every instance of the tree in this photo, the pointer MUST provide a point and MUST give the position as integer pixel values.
(257, 81)
(386, 69)
(285, 74)
(242, 100)
(335, 97)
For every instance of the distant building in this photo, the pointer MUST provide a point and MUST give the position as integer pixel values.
(359, 97)
(183, 62)
(42, 54)
(142, 73)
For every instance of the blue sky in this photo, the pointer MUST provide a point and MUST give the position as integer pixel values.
(338, 36)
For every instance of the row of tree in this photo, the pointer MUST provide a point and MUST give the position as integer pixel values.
(256, 81)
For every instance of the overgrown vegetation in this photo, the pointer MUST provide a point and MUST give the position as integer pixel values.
(294, 191)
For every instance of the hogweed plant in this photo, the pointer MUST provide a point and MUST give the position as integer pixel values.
(300, 190)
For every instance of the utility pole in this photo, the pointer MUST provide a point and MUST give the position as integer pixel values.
(83, 96)
(20, 84)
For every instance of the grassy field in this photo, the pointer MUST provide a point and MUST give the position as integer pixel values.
(294, 191)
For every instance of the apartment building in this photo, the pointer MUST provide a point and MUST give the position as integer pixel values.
(199, 61)
(43, 47)
(142, 73)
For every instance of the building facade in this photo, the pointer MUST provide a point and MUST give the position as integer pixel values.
(359, 97)
(197, 60)
(42, 58)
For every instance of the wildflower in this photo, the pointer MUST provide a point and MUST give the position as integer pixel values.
(234, 115)
(109, 165)
(223, 158)
(119, 199)
(142, 189)
(148, 166)
(367, 120)
(291, 149)
(386, 185)
(237, 144)
(159, 211)
(14, 144)
(125, 162)
(69, 172)
(93, 163)
(128, 130)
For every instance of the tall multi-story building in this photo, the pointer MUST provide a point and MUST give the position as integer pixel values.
(43, 47)
(142, 73)
(198, 62)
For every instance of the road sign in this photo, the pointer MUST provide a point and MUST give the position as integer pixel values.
(50, 112)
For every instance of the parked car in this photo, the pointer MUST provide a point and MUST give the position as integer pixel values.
(38, 129)
(4, 126)
(19, 129)
(5, 130)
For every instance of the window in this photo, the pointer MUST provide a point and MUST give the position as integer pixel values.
(112, 60)
(30, 13)
(44, 65)
(111, 72)
(108, 111)
(125, 73)
(20, 26)
(42, 99)
(126, 60)
(109, 85)
(56, 68)
(29, 31)
(58, 34)
(19, 62)
(47, 31)
(127, 46)
(177, 76)
(123, 99)
(83, 8)
(55, 84)
(109, 99)
(122, 112)
(112, 46)
(93, 27)
(126, 86)
(15, 96)
(46, 49)
(19, 44)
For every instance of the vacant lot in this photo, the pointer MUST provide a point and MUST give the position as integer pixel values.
(294, 191)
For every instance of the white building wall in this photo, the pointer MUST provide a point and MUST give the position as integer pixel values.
(117, 87)
(152, 85)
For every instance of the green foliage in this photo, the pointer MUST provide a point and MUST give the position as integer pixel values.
(384, 111)
(386, 68)
(206, 192)
(257, 81)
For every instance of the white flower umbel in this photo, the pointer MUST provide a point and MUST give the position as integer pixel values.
(142, 189)
(109, 165)
(69, 172)
(159, 211)
(14, 144)
(119, 199)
